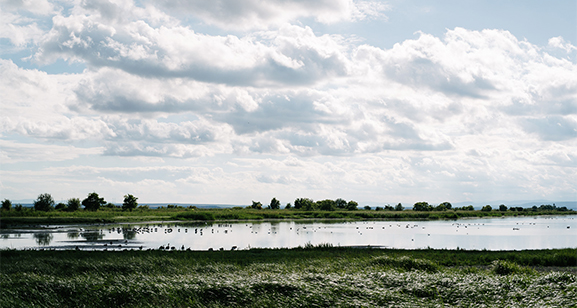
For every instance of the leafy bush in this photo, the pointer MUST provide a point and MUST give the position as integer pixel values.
(501, 267)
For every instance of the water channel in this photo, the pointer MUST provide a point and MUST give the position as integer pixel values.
(508, 233)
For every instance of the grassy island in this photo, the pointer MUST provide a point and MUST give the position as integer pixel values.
(114, 215)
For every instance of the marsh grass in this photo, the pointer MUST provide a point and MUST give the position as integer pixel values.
(106, 215)
(303, 277)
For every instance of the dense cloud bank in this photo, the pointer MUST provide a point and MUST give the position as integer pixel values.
(274, 104)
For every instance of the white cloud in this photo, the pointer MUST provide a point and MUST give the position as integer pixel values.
(251, 14)
(559, 42)
(284, 109)
(20, 31)
(292, 56)
(37, 7)
(12, 152)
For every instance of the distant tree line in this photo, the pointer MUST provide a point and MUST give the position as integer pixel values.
(93, 202)
(424, 206)
(307, 204)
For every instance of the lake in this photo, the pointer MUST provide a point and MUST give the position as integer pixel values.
(508, 233)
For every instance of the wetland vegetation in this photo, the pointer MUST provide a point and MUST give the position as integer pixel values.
(97, 210)
(310, 276)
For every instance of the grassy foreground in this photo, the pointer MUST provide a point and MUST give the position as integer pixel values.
(302, 277)
(14, 218)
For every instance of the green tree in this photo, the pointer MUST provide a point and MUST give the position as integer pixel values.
(93, 202)
(73, 204)
(446, 205)
(341, 204)
(274, 204)
(44, 202)
(421, 206)
(6, 205)
(352, 205)
(61, 206)
(256, 205)
(440, 207)
(502, 208)
(305, 204)
(487, 208)
(399, 207)
(129, 202)
(367, 207)
(288, 206)
(309, 205)
(327, 205)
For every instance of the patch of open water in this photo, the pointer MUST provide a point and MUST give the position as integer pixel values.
(508, 233)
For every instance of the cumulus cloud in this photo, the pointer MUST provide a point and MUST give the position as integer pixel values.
(37, 7)
(251, 14)
(285, 106)
(293, 56)
(20, 31)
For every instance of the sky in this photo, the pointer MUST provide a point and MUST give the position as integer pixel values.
(226, 101)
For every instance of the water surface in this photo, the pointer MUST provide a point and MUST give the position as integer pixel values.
(508, 233)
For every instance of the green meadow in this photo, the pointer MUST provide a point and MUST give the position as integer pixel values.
(106, 215)
(321, 276)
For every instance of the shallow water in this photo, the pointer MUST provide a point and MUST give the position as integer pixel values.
(509, 233)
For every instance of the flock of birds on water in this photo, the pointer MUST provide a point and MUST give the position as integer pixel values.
(129, 233)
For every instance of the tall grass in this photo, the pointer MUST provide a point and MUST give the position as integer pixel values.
(320, 276)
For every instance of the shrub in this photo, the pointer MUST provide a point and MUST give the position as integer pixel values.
(6, 205)
(501, 267)
(61, 207)
(73, 204)
(45, 202)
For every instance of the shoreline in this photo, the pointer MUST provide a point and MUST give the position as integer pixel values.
(244, 215)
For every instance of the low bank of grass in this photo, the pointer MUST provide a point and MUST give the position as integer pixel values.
(31, 217)
(315, 276)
